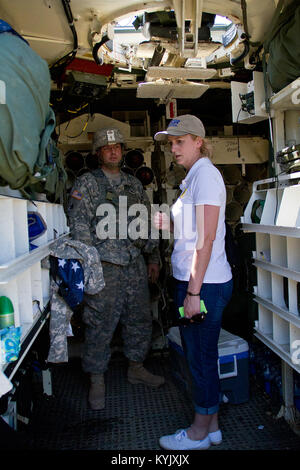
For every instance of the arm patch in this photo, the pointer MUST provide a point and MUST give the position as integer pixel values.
(77, 195)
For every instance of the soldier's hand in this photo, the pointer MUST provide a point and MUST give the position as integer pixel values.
(153, 272)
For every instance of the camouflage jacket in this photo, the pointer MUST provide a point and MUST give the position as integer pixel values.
(95, 204)
(67, 248)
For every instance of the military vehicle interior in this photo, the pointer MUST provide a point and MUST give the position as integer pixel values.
(136, 65)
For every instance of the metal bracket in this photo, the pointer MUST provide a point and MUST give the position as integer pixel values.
(196, 8)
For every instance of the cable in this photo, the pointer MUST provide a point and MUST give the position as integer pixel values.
(83, 129)
(96, 48)
(243, 107)
(235, 60)
(237, 132)
(78, 109)
(276, 207)
(64, 61)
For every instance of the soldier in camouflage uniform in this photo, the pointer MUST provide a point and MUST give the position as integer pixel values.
(125, 297)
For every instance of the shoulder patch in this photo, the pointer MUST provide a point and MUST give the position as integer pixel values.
(77, 195)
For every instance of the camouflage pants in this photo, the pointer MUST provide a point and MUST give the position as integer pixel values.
(124, 298)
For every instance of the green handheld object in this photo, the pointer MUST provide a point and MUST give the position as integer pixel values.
(202, 309)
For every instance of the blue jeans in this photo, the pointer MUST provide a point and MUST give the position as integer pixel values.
(200, 344)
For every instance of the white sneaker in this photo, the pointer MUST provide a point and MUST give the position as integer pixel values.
(215, 437)
(181, 441)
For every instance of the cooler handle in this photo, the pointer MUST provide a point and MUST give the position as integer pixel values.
(233, 373)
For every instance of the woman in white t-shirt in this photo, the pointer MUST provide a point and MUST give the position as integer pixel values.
(202, 274)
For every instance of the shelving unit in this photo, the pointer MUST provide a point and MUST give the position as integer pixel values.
(277, 259)
(277, 255)
(23, 277)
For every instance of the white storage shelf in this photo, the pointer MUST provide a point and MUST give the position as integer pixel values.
(22, 277)
(277, 259)
(281, 213)
(287, 98)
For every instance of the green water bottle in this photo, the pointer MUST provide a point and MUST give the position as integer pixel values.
(6, 312)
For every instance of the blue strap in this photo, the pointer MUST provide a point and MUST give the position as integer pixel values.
(6, 28)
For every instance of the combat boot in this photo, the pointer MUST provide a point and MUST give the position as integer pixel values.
(97, 392)
(137, 374)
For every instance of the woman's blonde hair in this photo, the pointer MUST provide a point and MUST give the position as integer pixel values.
(206, 149)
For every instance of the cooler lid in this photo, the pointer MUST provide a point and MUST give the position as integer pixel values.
(231, 344)
(228, 343)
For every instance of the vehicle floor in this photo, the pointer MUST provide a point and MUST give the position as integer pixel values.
(135, 416)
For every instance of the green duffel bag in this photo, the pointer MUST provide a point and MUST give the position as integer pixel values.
(26, 119)
(283, 46)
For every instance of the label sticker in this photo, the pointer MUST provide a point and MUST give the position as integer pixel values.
(111, 136)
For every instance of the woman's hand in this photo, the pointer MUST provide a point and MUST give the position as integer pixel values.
(191, 305)
(162, 221)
